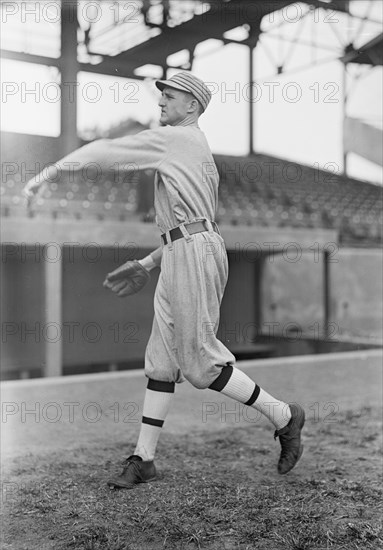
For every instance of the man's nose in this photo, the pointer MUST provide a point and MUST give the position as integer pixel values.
(161, 102)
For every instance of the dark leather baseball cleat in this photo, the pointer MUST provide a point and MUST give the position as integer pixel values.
(135, 471)
(290, 440)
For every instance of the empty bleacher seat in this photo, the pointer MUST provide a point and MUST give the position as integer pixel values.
(314, 199)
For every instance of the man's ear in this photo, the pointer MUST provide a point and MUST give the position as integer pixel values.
(193, 106)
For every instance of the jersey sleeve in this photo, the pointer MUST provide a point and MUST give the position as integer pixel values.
(143, 151)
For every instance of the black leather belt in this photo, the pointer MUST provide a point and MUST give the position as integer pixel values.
(192, 228)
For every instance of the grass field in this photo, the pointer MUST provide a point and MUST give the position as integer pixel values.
(216, 490)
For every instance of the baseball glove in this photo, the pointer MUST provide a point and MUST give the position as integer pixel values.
(127, 279)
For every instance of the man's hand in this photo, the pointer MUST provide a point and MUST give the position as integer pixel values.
(127, 279)
(31, 189)
(38, 183)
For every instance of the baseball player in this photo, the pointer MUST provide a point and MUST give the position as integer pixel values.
(194, 270)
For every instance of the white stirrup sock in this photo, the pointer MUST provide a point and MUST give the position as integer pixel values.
(158, 397)
(236, 384)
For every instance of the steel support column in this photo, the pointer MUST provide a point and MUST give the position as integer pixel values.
(251, 101)
(69, 68)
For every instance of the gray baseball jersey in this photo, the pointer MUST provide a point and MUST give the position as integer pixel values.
(194, 269)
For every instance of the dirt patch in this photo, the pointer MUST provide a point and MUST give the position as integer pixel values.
(215, 490)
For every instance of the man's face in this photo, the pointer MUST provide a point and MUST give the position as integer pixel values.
(174, 106)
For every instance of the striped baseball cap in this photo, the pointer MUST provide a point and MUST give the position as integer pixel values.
(187, 82)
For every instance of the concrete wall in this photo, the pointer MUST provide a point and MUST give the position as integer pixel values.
(22, 313)
(240, 305)
(292, 292)
(357, 292)
(106, 328)
(97, 327)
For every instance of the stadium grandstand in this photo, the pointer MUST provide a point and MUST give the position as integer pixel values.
(255, 190)
(304, 244)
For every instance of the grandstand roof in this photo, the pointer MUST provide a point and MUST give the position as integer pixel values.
(214, 23)
(155, 29)
(172, 35)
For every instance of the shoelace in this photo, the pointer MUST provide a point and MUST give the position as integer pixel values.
(286, 452)
(128, 462)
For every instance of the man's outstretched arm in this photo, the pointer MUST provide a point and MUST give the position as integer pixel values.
(143, 151)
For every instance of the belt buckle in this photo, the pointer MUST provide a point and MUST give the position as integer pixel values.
(167, 237)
